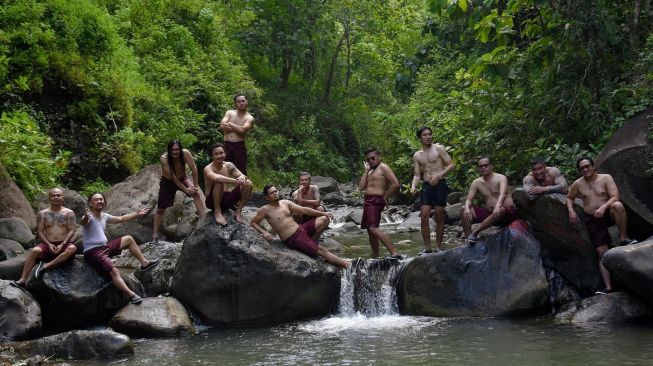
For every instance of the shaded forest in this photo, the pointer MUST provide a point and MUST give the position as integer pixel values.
(91, 91)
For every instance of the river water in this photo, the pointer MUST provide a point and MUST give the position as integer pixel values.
(369, 331)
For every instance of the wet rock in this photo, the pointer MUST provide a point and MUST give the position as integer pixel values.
(13, 202)
(154, 317)
(565, 247)
(230, 275)
(16, 229)
(502, 275)
(325, 184)
(75, 294)
(355, 216)
(627, 157)
(21, 314)
(632, 267)
(11, 269)
(616, 307)
(143, 189)
(10, 248)
(332, 245)
(79, 345)
(72, 200)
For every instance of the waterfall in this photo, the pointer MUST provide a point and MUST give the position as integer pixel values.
(367, 288)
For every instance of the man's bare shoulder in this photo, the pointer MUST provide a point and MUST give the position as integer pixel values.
(529, 178)
(554, 171)
(315, 188)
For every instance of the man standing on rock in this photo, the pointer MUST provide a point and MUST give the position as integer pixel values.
(543, 179)
(173, 178)
(432, 164)
(235, 124)
(602, 208)
(307, 195)
(98, 250)
(379, 183)
(55, 229)
(278, 213)
(499, 208)
(220, 175)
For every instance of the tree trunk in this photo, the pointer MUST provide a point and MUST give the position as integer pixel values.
(334, 59)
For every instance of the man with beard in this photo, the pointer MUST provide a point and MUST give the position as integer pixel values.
(543, 179)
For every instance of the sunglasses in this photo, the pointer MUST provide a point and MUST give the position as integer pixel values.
(483, 165)
(583, 167)
(371, 158)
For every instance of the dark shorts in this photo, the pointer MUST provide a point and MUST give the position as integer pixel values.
(168, 189)
(99, 258)
(434, 195)
(372, 209)
(598, 228)
(509, 215)
(302, 241)
(237, 154)
(47, 254)
(229, 199)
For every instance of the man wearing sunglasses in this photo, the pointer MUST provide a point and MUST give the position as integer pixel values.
(499, 208)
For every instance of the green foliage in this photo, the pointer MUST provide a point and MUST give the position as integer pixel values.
(88, 188)
(28, 154)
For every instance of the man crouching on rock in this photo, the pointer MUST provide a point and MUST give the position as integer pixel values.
(98, 250)
(299, 237)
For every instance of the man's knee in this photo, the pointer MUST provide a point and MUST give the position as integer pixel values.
(322, 221)
(71, 250)
(126, 241)
(617, 206)
(248, 184)
(36, 252)
(600, 250)
(160, 211)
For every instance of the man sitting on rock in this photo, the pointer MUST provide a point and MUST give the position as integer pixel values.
(499, 208)
(307, 195)
(218, 176)
(98, 250)
(55, 229)
(602, 208)
(543, 179)
(299, 237)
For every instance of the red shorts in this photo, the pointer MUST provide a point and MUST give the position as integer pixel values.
(168, 189)
(372, 209)
(509, 215)
(597, 227)
(302, 241)
(237, 154)
(229, 199)
(47, 255)
(99, 258)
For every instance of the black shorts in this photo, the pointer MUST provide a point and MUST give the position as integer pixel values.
(434, 195)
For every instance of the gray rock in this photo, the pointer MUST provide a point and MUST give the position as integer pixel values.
(72, 200)
(75, 294)
(156, 280)
(566, 248)
(334, 198)
(230, 275)
(355, 216)
(456, 197)
(154, 317)
(632, 266)
(13, 202)
(10, 248)
(143, 189)
(79, 345)
(11, 269)
(414, 222)
(16, 229)
(502, 275)
(325, 184)
(348, 188)
(627, 157)
(332, 245)
(452, 211)
(616, 307)
(21, 314)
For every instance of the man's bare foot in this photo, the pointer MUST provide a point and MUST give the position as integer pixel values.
(239, 217)
(220, 219)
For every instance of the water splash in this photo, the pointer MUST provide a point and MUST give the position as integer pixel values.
(367, 288)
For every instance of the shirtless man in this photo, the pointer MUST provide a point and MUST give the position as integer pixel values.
(298, 237)
(235, 124)
(55, 230)
(602, 209)
(218, 177)
(499, 208)
(307, 195)
(98, 250)
(174, 161)
(379, 183)
(543, 179)
(432, 164)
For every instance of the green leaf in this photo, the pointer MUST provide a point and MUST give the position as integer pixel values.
(462, 4)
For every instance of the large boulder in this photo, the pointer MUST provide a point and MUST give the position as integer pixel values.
(10, 248)
(501, 275)
(627, 157)
(617, 307)
(325, 184)
(157, 280)
(229, 275)
(154, 317)
(11, 269)
(72, 200)
(13, 202)
(414, 222)
(21, 314)
(140, 190)
(74, 294)
(79, 345)
(632, 267)
(565, 247)
(16, 229)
